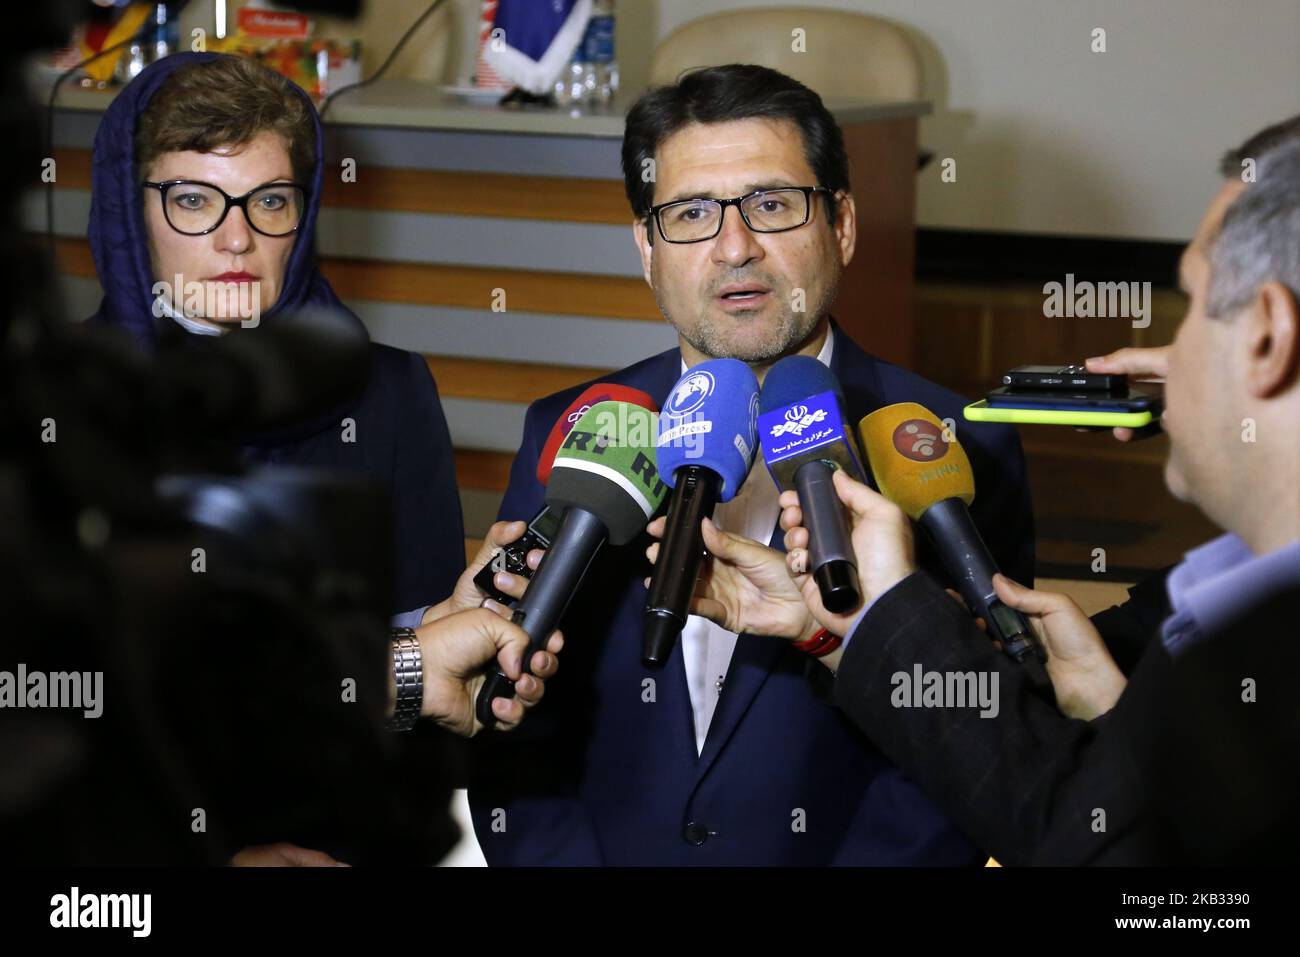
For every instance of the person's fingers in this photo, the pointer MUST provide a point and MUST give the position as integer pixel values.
(796, 538)
(652, 553)
(555, 643)
(861, 500)
(305, 857)
(788, 499)
(503, 533)
(1133, 361)
(724, 545)
(508, 711)
(508, 584)
(1108, 363)
(1152, 428)
(1028, 600)
(791, 517)
(797, 561)
(510, 640)
(544, 664)
(498, 609)
(535, 558)
(656, 528)
(498, 536)
(711, 609)
(529, 690)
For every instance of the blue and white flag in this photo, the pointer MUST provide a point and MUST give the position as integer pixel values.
(533, 40)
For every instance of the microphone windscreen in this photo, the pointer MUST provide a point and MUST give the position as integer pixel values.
(801, 420)
(607, 465)
(795, 378)
(914, 465)
(600, 392)
(709, 420)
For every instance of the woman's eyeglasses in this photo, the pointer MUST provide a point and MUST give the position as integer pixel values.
(194, 208)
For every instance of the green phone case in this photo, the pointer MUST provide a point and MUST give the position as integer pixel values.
(981, 411)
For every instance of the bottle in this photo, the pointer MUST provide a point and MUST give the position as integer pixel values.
(599, 41)
(591, 77)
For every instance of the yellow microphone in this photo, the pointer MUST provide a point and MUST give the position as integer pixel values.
(920, 466)
(915, 465)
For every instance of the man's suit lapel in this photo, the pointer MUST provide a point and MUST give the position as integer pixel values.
(859, 376)
(752, 661)
(756, 656)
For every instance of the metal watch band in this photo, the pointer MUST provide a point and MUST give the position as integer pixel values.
(408, 671)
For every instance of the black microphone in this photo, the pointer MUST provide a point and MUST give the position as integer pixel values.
(606, 486)
(801, 427)
(706, 447)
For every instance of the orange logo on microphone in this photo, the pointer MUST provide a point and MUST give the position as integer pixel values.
(920, 441)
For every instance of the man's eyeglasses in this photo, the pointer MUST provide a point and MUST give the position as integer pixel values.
(194, 208)
(764, 211)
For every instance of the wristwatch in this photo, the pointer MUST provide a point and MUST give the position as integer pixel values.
(408, 672)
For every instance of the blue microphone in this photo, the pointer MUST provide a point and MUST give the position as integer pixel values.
(706, 447)
(804, 439)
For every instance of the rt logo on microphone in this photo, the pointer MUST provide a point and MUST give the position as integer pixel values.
(920, 441)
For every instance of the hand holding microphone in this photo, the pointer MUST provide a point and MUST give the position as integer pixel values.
(881, 539)
(705, 449)
(805, 441)
(515, 548)
(745, 586)
(605, 485)
(919, 465)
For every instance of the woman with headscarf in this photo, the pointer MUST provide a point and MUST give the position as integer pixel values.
(207, 173)
(193, 137)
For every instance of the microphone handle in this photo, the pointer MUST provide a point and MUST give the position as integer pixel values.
(695, 493)
(967, 560)
(830, 548)
(557, 578)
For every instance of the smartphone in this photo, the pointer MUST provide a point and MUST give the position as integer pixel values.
(1099, 416)
(1072, 378)
(1130, 401)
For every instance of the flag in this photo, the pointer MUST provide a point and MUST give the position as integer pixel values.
(533, 40)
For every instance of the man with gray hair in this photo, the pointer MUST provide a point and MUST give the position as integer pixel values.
(1191, 757)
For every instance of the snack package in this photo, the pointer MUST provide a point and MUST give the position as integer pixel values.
(282, 41)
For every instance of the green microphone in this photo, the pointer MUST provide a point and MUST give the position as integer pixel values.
(605, 484)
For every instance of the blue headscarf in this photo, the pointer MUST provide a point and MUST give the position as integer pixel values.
(117, 233)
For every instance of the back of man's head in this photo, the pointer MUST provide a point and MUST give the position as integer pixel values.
(1233, 394)
(1259, 238)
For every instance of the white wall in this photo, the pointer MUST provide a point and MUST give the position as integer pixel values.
(1048, 136)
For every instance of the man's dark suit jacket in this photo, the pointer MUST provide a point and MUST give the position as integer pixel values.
(606, 771)
(1181, 771)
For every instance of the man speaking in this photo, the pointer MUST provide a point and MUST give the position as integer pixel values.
(1190, 758)
(726, 754)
